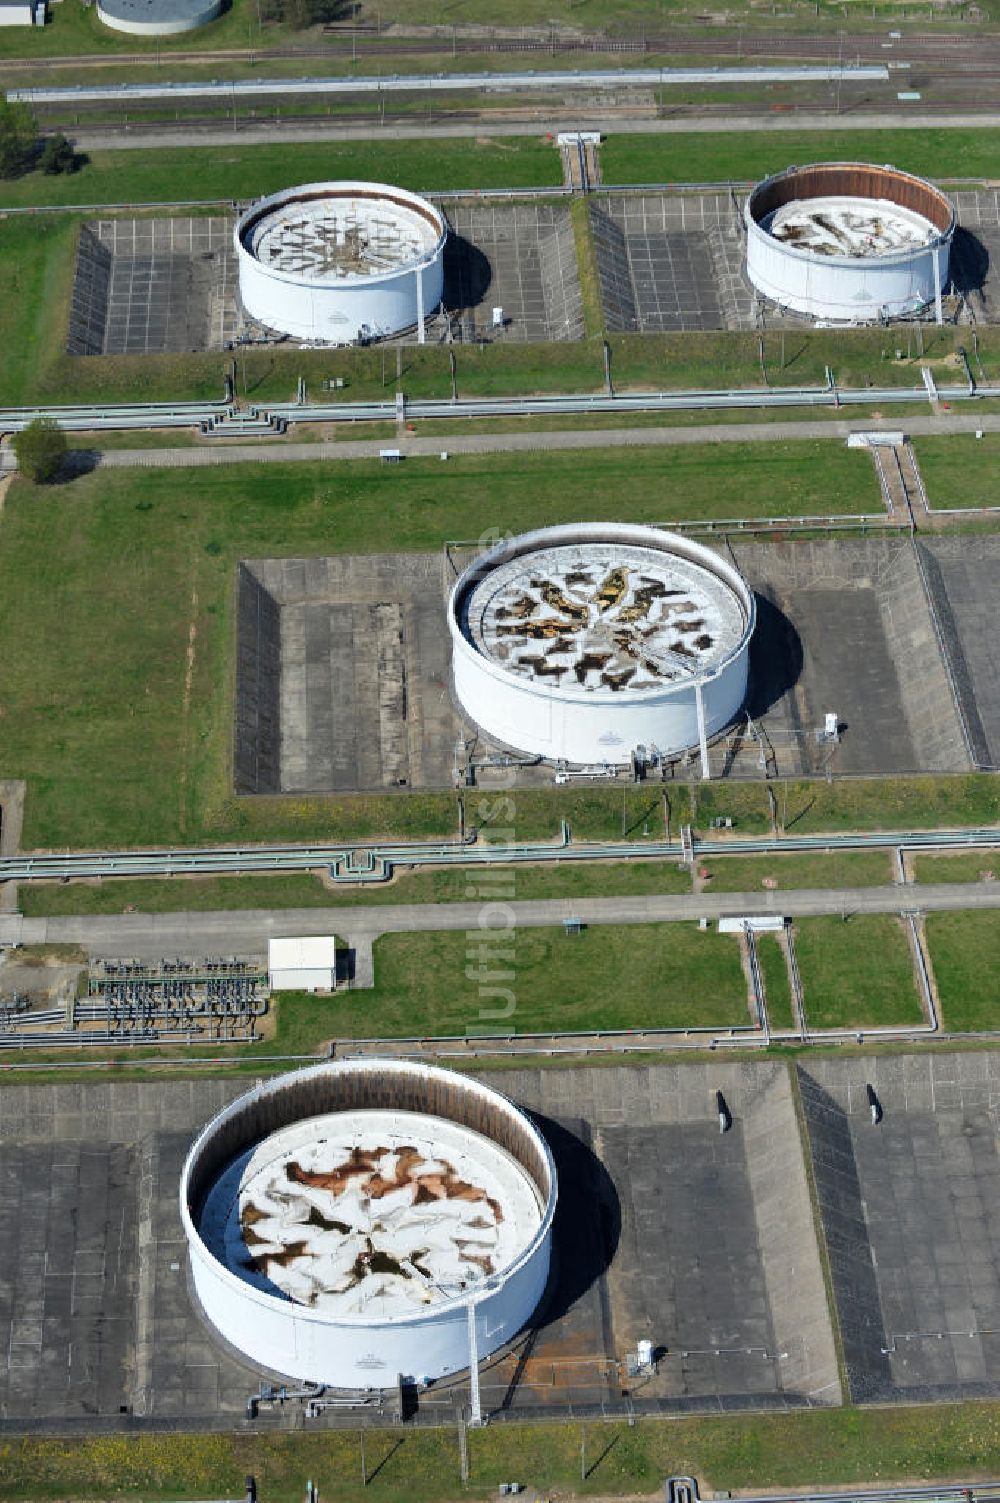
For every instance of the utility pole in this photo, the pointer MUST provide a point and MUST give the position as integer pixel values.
(475, 1402)
(463, 1448)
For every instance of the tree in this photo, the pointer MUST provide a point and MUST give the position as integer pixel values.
(40, 450)
(17, 137)
(58, 156)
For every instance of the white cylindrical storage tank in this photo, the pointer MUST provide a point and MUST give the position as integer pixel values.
(342, 1219)
(335, 263)
(583, 643)
(847, 242)
(157, 18)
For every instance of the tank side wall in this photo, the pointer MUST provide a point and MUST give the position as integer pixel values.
(578, 731)
(338, 314)
(276, 1335)
(160, 28)
(825, 288)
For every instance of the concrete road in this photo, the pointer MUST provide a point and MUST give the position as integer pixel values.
(529, 440)
(105, 138)
(152, 935)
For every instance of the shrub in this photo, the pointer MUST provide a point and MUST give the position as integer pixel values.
(40, 450)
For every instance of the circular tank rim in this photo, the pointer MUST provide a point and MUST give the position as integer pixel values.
(640, 535)
(779, 189)
(401, 1068)
(340, 188)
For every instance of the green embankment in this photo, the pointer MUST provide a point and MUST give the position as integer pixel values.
(818, 1448)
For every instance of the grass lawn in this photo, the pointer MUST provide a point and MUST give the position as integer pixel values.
(856, 973)
(304, 890)
(807, 808)
(960, 470)
(964, 867)
(965, 956)
(170, 173)
(804, 1449)
(840, 869)
(242, 170)
(744, 156)
(36, 264)
(777, 988)
(537, 981)
(109, 574)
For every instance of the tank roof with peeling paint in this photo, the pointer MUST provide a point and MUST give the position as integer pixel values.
(338, 232)
(371, 1213)
(603, 610)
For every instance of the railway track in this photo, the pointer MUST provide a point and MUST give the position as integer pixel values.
(972, 51)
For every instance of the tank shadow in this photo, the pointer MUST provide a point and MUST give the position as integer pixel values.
(587, 1222)
(468, 274)
(775, 658)
(970, 262)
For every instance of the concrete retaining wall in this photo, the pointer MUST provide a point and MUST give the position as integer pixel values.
(257, 738)
(786, 1230)
(842, 1209)
(88, 313)
(961, 575)
(613, 274)
(927, 697)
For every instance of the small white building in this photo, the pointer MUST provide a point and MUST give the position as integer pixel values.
(20, 13)
(306, 963)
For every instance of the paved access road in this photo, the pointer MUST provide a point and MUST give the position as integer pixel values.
(105, 138)
(151, 935)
